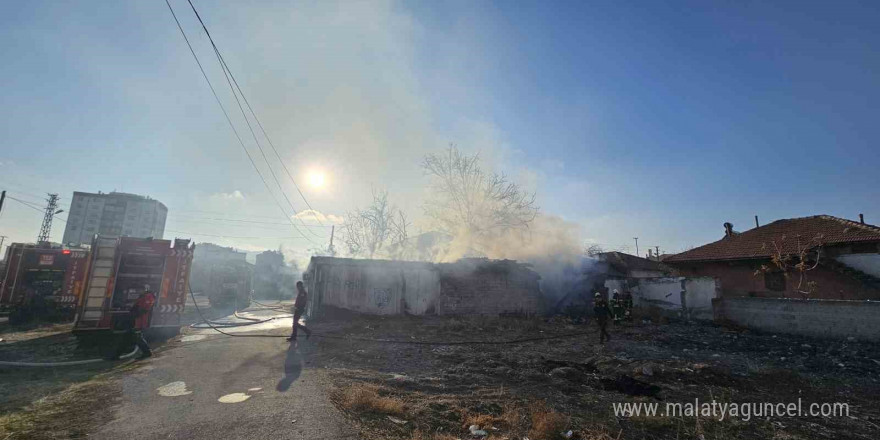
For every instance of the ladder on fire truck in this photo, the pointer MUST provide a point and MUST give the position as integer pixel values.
(103, 264)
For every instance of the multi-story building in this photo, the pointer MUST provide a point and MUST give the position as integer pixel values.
(113, 214)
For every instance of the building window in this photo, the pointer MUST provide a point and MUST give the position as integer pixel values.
(774, 281)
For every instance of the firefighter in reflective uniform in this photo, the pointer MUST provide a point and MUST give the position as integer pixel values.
(138, 319)
(617, 307)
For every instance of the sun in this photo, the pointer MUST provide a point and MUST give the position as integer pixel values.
(316, 179)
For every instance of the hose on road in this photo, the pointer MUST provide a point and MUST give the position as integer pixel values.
(63, 364)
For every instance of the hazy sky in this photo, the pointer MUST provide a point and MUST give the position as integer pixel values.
(627, 118)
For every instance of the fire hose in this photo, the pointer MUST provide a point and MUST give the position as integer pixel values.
(63, 364)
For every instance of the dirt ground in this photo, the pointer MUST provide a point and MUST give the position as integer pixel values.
(52, 402)
(544, 389)
(559, 381)
(36, 403)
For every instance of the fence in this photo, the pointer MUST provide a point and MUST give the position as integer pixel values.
(818, 317)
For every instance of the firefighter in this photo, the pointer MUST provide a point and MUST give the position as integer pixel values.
(602, 312)
(138, 319)
(299, 307)
(617, 307)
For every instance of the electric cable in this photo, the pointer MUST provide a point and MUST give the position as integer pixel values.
(28, 204)
(228, 75)
(65, 363)
(229, 120)
(254, 114)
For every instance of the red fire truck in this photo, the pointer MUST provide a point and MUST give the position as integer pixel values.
(42, 281)
(120, 269)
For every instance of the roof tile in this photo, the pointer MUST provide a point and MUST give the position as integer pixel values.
(758, 242)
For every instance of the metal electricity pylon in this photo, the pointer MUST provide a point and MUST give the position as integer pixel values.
(51, 210)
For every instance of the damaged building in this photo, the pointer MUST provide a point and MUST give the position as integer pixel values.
(471, 286)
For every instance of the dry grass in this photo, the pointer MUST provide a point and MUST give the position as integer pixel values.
(514, 417)
(71, 413)
(546, 423)
(481, 420)
(418, 435)
(366, 398)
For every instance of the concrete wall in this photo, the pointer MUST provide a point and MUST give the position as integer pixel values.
(818, 318)
(867, 263)
(491, 289)
(688, 297)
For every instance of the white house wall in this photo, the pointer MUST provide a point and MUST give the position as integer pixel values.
(666, 293)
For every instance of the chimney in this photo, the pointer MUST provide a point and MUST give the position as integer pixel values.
(757, 225)
(650, 254)
(728, 229)
(862, 218)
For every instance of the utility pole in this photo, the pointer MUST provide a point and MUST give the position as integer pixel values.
(2, 198)
(2, 239)
(657, 248)
(330, 249)
(637, 246)
(51, 210)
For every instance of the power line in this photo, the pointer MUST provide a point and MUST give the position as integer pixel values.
(232, 236)
(28, 204)
(241, 223)
(228, 74)
(246, 219)
(22, 190)
(269, 141)
(231, 125)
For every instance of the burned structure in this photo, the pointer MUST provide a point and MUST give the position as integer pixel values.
(471, 286)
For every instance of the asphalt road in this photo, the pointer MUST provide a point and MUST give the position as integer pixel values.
(287, 398)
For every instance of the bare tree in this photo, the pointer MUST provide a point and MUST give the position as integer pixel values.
(795, 259)
(593, 250)
(469, 201)
(379, 226)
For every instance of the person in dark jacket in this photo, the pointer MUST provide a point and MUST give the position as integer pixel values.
(138, 319)
(602, 313)
(299, 307)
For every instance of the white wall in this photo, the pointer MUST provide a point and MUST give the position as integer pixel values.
(867, 263)
(379, 289)
(666, 293)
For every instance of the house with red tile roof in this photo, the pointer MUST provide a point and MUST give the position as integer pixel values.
(844, 255)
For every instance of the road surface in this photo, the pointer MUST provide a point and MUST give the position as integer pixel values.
(177, 393)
